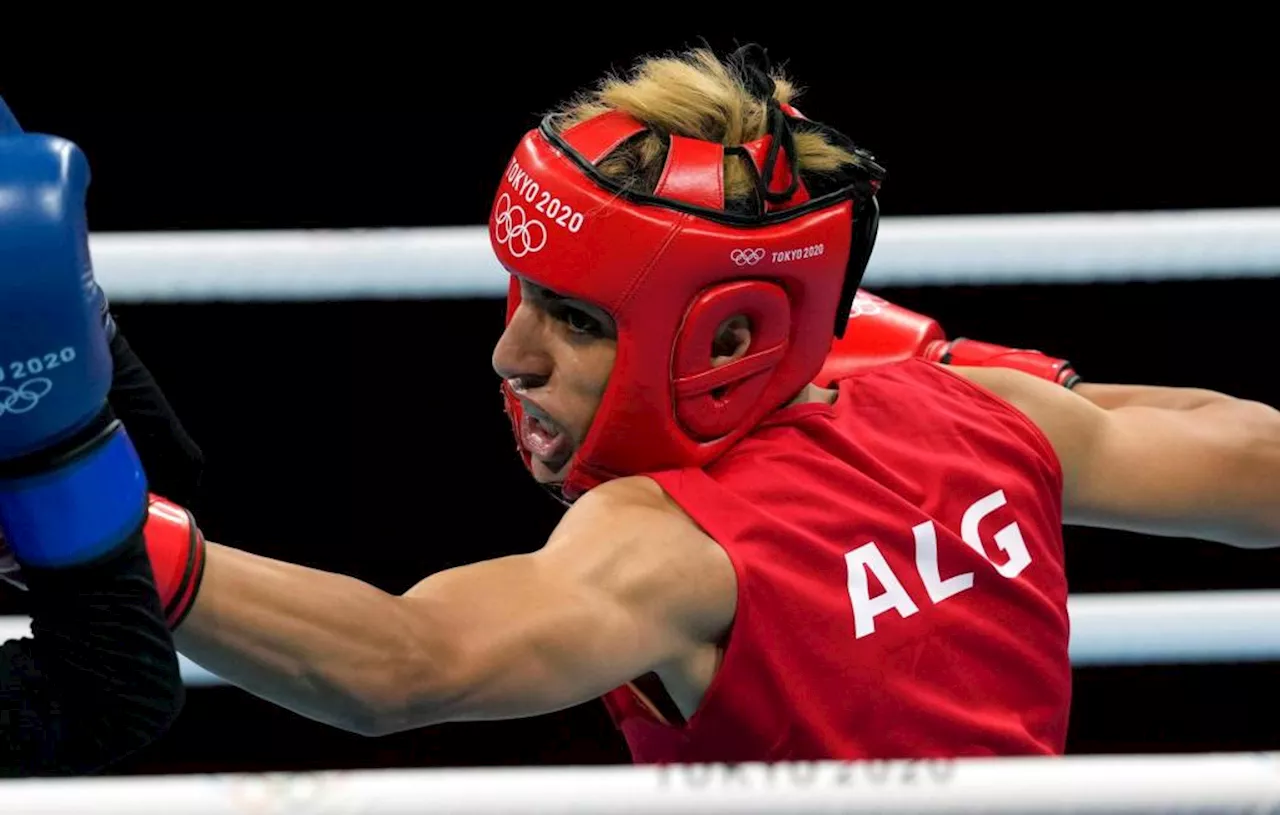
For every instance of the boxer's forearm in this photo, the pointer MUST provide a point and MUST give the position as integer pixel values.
(1108, 396)
(1230, 447)
(326, 646)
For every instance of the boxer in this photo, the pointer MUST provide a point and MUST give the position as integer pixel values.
(768, 552)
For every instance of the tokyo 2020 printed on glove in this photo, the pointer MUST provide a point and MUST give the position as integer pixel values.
(71, 486)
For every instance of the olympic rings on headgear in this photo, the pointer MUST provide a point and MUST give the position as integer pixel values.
(520, 234)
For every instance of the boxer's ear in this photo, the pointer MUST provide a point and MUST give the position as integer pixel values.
(732, 340)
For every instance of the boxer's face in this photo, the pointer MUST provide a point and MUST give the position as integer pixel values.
(556, 353)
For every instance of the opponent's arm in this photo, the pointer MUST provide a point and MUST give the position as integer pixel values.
(99, 677)
(174, 463)
(621, 588)
(1210, 472)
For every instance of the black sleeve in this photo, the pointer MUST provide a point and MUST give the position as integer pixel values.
(172, 460)
(99, 677)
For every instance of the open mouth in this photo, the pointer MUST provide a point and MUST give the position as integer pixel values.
(545, 440)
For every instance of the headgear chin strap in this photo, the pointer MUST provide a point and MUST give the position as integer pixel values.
(670, 267)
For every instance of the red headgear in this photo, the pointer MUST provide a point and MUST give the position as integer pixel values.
(671, 266)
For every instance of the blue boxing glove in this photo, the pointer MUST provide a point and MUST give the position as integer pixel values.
(9, 126)
(71, 486)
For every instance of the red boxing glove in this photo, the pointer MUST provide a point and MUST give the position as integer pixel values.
(881, 332)
(176, 549)
(978, 354)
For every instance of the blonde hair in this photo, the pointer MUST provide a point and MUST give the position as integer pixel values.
(697, 95)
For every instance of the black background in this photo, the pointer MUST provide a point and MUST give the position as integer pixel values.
(368, 438)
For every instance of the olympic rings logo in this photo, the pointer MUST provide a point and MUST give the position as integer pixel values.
(25, 397)
(514, 230)
(746, 257)
(866, 305)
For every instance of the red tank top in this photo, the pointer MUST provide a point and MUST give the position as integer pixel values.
(901, 585)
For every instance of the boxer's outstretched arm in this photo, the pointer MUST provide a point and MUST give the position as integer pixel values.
(621, 589)
(1109, 396)
(1206, 468)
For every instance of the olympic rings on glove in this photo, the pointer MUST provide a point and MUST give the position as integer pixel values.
(25, 397)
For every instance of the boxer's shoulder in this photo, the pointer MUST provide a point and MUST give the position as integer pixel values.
(633, 533)
(638, 500)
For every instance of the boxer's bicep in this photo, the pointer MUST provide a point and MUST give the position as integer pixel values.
(613, 596)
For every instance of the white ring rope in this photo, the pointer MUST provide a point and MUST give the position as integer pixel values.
(1087, 784)
(1144, 628)
(458, 262)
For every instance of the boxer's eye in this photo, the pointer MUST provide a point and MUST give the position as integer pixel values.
(579, 321)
